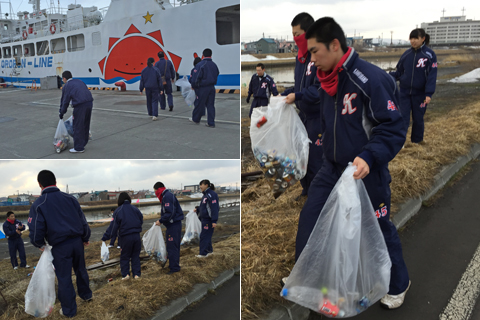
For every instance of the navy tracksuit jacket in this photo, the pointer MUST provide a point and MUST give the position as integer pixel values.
(127, 223)
(209, 207)
(57, 218)
(307, 100)
(171, 217)
(361, 120)
(169, 73)
(261, 88)
(203, 81)
(417, 73)
(151, 81)
(76, 91)
(15, 242)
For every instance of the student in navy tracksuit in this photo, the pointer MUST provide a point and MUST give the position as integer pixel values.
(127, 224)
(209, 207)
(417, 72)
(57, 218)
(168, 71)
(306, 97)
(151, 81)
(261, 87)
(203, 81)
(195, 62)
(76, 92)
(13, 230)
(363, 125)
(171, 217)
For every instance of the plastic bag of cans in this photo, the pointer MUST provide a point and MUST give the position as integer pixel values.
(61, 138)
(280, 143)
(345, 266)
(187, 92)
(154, 244)
(193, 228)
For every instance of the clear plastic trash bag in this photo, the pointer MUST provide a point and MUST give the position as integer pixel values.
(345, 266)
(280, 143)
(104, 253)
(154, 244)
(61, 138)
(40, 295)
(187, 92)
(193, 228)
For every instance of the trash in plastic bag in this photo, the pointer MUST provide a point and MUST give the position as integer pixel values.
(40, 295)
(69, 126)
(345, 266)
(187, 92)
(193, 228)
(104, 254)
(61, 138)
(154, 244)
(279, 143)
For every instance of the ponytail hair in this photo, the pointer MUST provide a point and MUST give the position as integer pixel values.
(207, 182)
(122, 198)
(150, 62)
(420, 33)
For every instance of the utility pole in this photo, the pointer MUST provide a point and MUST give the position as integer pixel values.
(443, 12)
(463, 11)
(391, 38)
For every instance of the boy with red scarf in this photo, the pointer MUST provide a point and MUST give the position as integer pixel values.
(13, 230)
(361, 124)
(306, 97)
(171, 216)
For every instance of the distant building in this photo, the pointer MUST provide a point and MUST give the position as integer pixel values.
(285, 46)
(192, 188)
(266, 45)
(451, 30)
(250, 47)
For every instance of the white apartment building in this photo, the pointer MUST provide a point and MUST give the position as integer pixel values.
(455, 29)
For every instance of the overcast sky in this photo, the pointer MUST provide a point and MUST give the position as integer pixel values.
(88, 175)
(368, 17)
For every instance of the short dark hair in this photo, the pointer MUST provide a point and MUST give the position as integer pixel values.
(420, 33)
(122, 197)
(46, 178)
(9, 213)
(261, 65)
(113, 209)
(150, 61)
(325, 30)
(67, 75)
(196, 60)
(303, 19)
(161, 54)
(207, 182)
(207, 52)
(158, 185)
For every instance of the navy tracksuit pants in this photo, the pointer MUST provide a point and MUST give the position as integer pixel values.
(206, 238)
(205, 98)
(15, 245)
(315, 152)
(174, 237)
(258, 102)
(152, 101)
(67, 255)
(414, 104)
(81, 125)
(131, 246)
(377, 184)
(167, 89)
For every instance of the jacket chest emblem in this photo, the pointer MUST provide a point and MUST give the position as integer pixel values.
(347, 104)
(421, 62)
(264, 85)
(309, 68)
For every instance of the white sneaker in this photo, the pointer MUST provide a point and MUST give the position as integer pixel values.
(27, 266)
(200, 256)
(109, 246)
(394, 301)
(61, 311)
(118, 247)
(126, 277)
(15, 268)
(75, 151)
(154, 118)
(209, 254)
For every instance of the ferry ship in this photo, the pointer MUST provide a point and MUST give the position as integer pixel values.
(104, 46)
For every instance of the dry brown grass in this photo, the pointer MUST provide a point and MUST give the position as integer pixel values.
(269, 226)
(132, 299)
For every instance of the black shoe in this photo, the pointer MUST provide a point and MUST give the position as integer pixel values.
(171, 108)
(207, 125)
(172, 272)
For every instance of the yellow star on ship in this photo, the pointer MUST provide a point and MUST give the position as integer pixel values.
(148, 17)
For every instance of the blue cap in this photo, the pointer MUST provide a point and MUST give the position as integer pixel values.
(284, 292)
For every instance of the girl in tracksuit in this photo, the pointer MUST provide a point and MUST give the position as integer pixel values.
(127, 223)
(209, 208)
(12, 229)
(151, 81)
(417, 73)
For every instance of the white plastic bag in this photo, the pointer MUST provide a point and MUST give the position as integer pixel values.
(104, 254)
(154, 244)
(40, 295)
(193, 228)
(280, 143)
(187, 92)
(345, 266)
(69, 127)
(61, 138)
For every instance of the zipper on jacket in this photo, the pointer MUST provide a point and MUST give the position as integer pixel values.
(335, 132)
(413, 71)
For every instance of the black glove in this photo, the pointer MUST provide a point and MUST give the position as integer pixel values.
(60, 115)
(248, 99)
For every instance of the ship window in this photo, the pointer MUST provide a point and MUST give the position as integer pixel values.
(29, 50)
(7, 52)
(76, 43)
(58, 45)
(17, 51)
(228, 25)
(42, 48)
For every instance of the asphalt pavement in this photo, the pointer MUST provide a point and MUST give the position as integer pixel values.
(120, 127)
